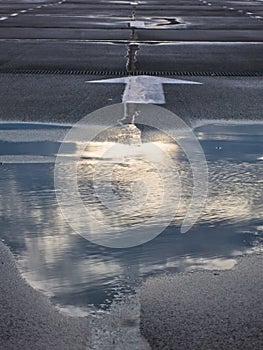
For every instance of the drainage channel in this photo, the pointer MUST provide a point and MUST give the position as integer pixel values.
(127, 73)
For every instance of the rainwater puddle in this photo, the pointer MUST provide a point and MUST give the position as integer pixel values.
(80, 275)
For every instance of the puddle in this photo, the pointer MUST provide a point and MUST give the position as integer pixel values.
(164, 23)
(137, 23)
(78, 274)
(140, 22)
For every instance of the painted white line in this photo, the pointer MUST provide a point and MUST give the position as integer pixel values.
(14, 14)
(148, 43)
(196, 43)
(23, 11)
(136, 24)
(143, 88)
(3, 18)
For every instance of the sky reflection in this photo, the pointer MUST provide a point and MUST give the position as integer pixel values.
(74, 271)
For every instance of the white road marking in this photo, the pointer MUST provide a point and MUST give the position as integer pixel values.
(3, 18)
(136, 24)
(23, 11)
(148, 43)
(143, 89)
(223, 43)
(14, 14)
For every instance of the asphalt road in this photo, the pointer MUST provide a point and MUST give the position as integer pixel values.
(59, 98)
(189, 36)
(205, 310)
(27, 320)
(93, 35)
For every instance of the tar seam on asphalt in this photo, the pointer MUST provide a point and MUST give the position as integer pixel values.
(133, 47)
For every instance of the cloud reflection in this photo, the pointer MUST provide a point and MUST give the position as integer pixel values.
(76, 272)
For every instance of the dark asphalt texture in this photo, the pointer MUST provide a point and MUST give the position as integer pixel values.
(205, 310)
(42, 37)
(67, 99)
(29, 321)
(202, 310)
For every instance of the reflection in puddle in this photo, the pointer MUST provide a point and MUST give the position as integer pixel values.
(78, 273)
(140, 22)
(164, 22)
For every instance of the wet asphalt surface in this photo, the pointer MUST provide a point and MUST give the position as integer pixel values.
(190, 36)
(67, 98)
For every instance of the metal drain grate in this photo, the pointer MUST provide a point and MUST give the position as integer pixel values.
(125, 73)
